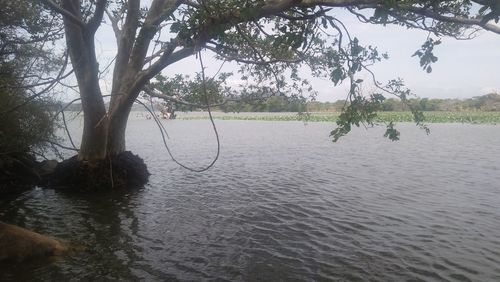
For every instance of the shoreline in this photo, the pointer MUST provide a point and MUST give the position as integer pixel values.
(471, 117)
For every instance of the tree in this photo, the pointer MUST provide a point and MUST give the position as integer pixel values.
(488, 102)
(271, 39)
(27, 52)
(188, 94)
(27, 60)
(27, 130)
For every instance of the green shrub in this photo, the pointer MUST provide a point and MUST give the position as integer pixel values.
(26, 128)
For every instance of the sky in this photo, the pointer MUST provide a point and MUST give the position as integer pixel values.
(466, 68)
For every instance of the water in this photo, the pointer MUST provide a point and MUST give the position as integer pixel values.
(283, 204)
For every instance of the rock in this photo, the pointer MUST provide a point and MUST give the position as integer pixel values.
(20, 244)
(46, 167)
(17, 173)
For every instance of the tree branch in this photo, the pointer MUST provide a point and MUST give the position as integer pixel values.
(152, 93)
(159, 10)
(305, 17)
(249, 41)
(125, 44)
(65, 13)
(51, 83)
(252, 62)
(424, 11)
(277, 6)
(114, 25)
(94, 23)
(459, 20)
(168, 58)
(189, 3)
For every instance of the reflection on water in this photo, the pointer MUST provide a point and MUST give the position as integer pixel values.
(283, 203)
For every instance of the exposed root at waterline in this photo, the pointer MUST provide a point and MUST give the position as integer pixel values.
(124, 170)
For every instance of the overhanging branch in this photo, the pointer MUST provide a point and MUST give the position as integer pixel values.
(253, 62)
(152, 93)
(168, 57)
(458, 20)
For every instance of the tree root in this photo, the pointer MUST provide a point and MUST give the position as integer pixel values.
(124, 170)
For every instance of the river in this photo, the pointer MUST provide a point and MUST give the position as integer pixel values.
(283, 203)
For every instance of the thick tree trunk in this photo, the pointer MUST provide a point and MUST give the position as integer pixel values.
(80, 42)
(95, 123)
(117, 128)
(95, 131)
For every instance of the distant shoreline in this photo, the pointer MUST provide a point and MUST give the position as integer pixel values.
(430, 117)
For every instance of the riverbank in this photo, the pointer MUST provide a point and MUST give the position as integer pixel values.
(430, 117)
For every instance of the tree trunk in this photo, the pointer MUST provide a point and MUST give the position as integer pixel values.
(102, 161)
(95, 130)
(117, 127)
(80, 42)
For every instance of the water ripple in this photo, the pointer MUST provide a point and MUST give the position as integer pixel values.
(273, 210)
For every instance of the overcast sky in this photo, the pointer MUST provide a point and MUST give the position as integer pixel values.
(465, 68)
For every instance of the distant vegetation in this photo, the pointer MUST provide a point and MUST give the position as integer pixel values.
(382, 117)
(481, 109)
(486, 103)
(489, 103)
